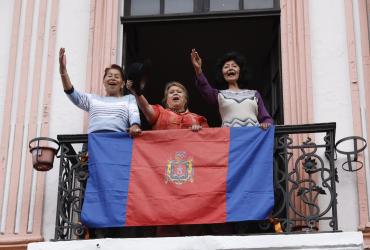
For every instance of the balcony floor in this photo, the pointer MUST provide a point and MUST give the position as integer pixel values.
(340, 240)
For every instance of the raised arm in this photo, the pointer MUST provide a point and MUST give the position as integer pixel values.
(67, 85)
(81, 100)
(206, 90)
(143, 104)
(196, 61)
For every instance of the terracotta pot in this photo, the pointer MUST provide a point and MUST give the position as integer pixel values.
(43, 156)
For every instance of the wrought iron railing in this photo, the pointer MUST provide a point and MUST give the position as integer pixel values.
(304, 172)
(305, 177)
(73, 175)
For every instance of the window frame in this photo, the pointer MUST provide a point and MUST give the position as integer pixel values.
(201, 10)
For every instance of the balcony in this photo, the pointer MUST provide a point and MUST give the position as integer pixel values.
(305, 179)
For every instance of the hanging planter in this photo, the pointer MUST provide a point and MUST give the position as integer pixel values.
(43, 154)
(359, 144)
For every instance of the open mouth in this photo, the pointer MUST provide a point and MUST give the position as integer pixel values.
(175, 98)
(231, 73)
(112, 83)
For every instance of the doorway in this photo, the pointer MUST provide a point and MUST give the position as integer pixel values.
(167, 44)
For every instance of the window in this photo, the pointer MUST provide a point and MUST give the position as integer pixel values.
(165, 31)
(178, 6)
(144, 7)
(220, 5)
(140, 8)
(258, 4)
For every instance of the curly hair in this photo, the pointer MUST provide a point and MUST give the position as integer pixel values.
(240, 61)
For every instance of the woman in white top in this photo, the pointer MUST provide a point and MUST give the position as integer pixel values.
(112, 112)
(238, 107)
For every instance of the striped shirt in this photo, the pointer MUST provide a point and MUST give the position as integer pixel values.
(107, 112)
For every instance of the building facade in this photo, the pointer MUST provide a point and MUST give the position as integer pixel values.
(316, 52)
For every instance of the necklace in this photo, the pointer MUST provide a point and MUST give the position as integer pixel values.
(177, 111)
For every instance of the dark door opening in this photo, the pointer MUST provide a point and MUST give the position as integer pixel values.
(168, 45)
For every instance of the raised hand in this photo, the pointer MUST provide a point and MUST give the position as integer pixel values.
(62, 62)
(67, 85)
(196, 61)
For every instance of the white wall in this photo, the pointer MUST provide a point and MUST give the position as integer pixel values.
(73, 35)
(121, 5)
(332, 93)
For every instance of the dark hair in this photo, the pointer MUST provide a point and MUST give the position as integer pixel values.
(177, 84)
(114, 66)
(244, 71)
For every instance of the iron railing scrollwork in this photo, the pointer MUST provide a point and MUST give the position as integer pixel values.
(73, 174)
(304, 172)
(305, 179)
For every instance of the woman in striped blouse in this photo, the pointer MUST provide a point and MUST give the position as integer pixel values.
(111, 112)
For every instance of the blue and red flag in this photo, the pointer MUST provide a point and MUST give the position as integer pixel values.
(170, 177)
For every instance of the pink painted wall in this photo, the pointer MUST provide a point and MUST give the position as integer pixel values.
(22, 189)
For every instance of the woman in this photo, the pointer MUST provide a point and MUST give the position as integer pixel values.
(112, 112)
(175, 114)
(238, 107)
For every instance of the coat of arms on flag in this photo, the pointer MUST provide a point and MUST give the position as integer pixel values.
(179, 170)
